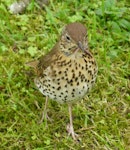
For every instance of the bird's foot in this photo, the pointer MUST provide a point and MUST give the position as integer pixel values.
(44, 117)
(71, 132)
(44, 113)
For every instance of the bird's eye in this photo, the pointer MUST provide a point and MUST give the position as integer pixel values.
(68, 38)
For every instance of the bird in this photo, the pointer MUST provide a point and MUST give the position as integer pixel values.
(68, 72)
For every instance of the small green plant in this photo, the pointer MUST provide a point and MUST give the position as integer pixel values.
(114, 19)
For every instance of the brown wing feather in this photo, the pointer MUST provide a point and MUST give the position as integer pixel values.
(44, 61)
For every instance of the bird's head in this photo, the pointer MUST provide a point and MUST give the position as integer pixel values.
(74, 39)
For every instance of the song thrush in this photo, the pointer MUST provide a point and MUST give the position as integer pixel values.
(68, 71)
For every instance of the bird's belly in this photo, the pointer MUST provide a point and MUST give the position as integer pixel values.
(67, 82)
(63, 91)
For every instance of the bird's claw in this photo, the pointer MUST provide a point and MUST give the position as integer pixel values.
(71, 132)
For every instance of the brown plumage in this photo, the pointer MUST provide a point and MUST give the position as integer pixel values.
(69, 70)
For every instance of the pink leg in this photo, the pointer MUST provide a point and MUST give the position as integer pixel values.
(44, 113)
(70, 128)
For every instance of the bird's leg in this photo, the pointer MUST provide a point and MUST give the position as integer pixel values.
(70, 128)
(44, 113)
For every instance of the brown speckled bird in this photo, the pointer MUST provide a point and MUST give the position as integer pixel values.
(68, 71)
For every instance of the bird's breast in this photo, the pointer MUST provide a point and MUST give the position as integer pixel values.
(68, 79)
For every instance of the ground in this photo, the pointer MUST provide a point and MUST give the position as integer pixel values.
(102, 119)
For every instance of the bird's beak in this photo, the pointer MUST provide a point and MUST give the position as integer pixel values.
(80, 45)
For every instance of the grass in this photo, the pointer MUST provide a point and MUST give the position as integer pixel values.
(102, 119)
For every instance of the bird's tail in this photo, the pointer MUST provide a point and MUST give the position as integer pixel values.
(32, 64)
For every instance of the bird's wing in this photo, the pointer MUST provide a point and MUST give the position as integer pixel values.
(44, 61)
